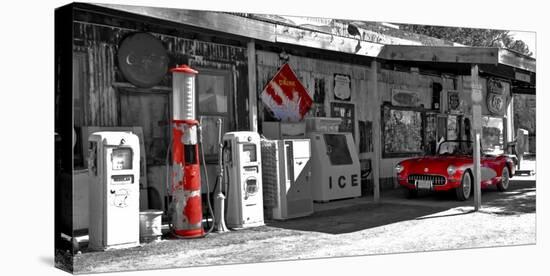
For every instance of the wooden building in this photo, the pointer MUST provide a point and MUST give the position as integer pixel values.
(402, 98)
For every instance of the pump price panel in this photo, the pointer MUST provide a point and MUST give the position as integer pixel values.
(122, 179)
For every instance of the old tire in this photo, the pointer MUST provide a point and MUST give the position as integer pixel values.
(464, 191)
(505, 180)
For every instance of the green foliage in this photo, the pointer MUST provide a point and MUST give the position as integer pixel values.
(472, 37)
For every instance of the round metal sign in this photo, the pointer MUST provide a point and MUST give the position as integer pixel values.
(142, 59)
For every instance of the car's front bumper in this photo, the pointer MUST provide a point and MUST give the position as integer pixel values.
(450, 183)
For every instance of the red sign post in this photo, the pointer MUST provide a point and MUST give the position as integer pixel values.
(286, 97)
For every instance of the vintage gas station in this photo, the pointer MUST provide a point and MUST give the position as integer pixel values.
(191, 122)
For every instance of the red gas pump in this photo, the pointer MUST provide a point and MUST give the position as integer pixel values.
(186, 180)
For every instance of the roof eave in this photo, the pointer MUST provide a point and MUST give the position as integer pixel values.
(271, 32)
(517, 60)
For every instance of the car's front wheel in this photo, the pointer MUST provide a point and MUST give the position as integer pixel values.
(505, 180)
(465, 189)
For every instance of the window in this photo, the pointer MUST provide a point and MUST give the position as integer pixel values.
(318, 106)
(402, 132)
(152, 111)
(214, 103)
(492, 134)
(212, 93)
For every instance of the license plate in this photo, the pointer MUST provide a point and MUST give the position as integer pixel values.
(424, 184)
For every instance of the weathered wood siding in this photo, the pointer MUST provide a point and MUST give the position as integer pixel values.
(101, 109)
(100, 44)
(105, 98)
(311, 72)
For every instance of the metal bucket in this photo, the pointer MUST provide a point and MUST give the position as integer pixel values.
(150, 223)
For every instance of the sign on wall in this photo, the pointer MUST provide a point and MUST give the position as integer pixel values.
(142, 59)
(496, 98)
(318, 107)
(452, 128)
(453, 103)
(345, 111)
(286, 97)
(523, 77)
(400, 97)
(342, 87)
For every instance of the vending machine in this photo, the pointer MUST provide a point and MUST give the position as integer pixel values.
(242, 160)
(284, 130)
(287, 178)
(113, 165)
(335, 165)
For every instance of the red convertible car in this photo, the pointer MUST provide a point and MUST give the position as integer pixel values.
(452, 169)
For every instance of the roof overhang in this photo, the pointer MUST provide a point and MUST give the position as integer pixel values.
(447, 54)
(254, 29)
(471, 55)
(276, 33)
(516, 60)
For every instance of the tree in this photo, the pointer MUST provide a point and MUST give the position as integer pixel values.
(472, 37)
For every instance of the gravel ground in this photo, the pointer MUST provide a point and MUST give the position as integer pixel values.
(431, 222)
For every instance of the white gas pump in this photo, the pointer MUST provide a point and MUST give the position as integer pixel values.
(243, 166)
(114, 190)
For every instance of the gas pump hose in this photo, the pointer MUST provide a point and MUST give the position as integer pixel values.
(207, 185)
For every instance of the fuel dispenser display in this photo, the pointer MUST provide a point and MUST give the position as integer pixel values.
(243, 166)
(113, 167)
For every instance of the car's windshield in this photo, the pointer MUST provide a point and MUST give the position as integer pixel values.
(455, 147)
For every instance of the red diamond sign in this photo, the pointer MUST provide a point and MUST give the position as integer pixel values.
(286, 97)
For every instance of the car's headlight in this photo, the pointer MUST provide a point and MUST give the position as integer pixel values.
(451, 170)
(398, 168)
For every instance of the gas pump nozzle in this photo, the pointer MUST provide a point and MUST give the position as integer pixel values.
(219, 203)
